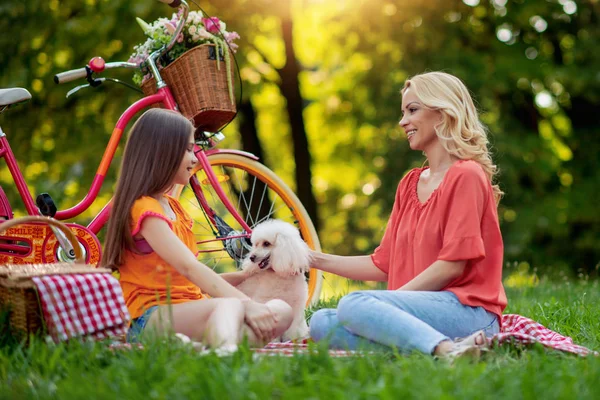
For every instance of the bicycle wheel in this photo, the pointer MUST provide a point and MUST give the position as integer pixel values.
(257, 194)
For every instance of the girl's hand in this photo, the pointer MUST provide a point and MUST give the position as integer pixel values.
(235, 278)
(261, 320)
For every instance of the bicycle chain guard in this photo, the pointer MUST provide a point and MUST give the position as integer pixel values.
(36, 244)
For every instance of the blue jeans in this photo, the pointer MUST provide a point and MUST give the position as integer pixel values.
(407, 321)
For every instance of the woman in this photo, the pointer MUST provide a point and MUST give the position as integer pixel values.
(442, 251)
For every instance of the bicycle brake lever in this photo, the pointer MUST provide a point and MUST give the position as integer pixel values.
(124, 84)
(78, 88)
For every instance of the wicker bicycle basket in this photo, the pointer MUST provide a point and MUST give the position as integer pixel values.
(18, 295)
(200, 87)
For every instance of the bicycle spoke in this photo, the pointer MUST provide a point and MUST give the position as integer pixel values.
(260, 204)
(251, 198)
(245, 203)
(194, 203)
(271, 212)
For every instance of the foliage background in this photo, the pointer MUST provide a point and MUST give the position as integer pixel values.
(331, 70)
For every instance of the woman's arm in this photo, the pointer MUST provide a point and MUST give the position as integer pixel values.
(437, 276)
(360, 268)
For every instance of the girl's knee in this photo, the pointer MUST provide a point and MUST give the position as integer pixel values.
(283, 312)
(280, 308)
(231, 302)
(231, 306)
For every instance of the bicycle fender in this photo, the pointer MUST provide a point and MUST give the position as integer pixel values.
(230, 151)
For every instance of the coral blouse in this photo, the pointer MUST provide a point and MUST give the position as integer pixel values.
(458, 222)
(146, 279)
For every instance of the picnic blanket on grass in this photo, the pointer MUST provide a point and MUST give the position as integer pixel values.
(292, 348)
(92, 305)
(515, 329)
(522, 330)
(76, 305)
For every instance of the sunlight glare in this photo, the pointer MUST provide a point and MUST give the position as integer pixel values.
(543, 99)
(570, 7)
(538, 23)
(504, 34)
(389, 9)
(220, 177)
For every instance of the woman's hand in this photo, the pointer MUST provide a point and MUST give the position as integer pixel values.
(261, 320)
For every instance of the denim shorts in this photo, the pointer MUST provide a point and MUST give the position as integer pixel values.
(138, 324)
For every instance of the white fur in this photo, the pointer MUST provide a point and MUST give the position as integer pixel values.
(288, 259)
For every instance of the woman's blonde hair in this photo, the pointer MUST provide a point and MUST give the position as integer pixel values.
(460, 132)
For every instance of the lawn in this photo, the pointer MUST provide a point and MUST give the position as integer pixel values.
(170, 370)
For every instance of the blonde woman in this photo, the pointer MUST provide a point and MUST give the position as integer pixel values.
(442, 250)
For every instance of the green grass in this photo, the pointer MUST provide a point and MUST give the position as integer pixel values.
(171, 371)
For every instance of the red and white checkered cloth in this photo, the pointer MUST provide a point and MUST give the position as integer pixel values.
(518, 329)
(515, 329)
(82, 305)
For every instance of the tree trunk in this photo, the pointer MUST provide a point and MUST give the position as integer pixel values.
(250, 141)
(290, 89)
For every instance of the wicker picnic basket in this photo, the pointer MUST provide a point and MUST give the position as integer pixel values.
(17, 290)
(199, 87)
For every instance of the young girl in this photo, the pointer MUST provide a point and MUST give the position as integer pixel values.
(442, 251)
(151, 243)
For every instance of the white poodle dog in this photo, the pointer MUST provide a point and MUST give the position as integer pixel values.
(276, 265)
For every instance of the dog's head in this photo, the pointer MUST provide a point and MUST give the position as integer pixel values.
(278, 245)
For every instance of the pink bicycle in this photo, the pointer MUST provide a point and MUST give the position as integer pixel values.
(229, 192)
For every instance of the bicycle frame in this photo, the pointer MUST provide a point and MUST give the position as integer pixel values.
(163, 96)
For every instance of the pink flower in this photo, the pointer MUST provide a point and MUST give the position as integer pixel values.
(170, 28)
(231, 36)
(212, 24)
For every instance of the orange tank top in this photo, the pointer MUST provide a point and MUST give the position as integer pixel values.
(146, 279)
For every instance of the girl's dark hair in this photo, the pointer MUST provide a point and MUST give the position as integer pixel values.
(156, 145)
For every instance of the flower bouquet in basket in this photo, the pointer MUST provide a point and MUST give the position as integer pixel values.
(198, 68)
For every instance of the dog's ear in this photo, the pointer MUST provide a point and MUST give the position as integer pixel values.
(290, 254)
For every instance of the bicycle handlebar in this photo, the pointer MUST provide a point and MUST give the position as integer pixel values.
(71, 75)
(78, 73)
